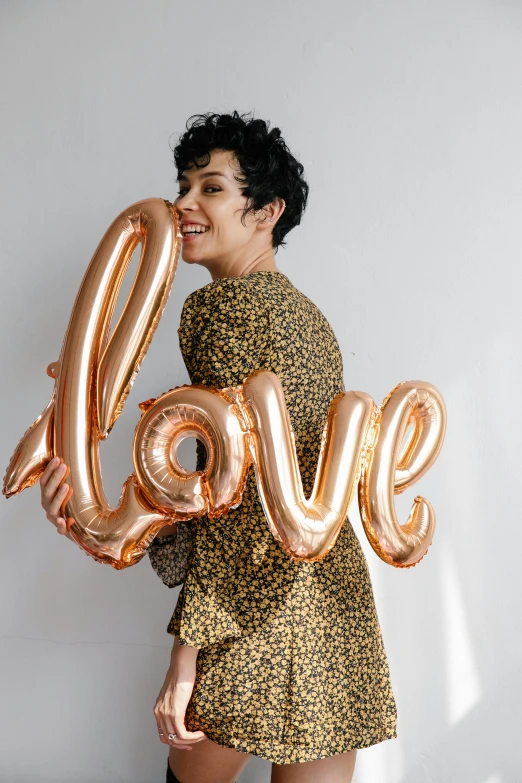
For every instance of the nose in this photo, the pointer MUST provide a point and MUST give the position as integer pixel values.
(186, 203)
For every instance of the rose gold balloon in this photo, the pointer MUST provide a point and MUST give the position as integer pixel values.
(192, 411)
(388, 470)
(360, 442)
(52, 369)
(33, 452)
(93, 378)
(306, 529)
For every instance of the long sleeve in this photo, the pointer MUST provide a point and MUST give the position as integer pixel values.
(169, 555)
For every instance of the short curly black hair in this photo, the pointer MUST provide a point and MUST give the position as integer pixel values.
(268, 170)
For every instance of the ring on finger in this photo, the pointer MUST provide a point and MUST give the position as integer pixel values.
(172, 737)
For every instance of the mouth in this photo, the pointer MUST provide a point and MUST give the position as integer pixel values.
(191, 231)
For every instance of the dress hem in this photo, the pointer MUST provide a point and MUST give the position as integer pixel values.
(277, 753)
(207, 641)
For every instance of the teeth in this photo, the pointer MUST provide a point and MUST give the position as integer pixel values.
(194, 229)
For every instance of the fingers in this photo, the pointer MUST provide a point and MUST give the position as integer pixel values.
(54, 496)
(55, 506)
(180, 730)
(174, 744)
(52, 475)
(61, 527)
(50, 488)
(166, 730)
(176, 714)
(184, 735)
(49, 469)
(160, 720)
(172, 731)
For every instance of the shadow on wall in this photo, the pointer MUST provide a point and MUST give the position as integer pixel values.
(462, 756)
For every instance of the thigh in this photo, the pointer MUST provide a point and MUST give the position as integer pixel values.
(333, 769)
(207, 762)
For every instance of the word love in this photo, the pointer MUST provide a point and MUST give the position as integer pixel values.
(362, 444)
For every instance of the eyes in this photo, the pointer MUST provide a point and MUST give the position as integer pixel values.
(209, 189)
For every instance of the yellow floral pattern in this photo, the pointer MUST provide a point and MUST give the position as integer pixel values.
(292, 665)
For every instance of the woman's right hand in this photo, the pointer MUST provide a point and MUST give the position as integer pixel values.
(174, 697)
(54, 493)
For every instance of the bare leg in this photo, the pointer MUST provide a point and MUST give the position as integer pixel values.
(334, 769)
(207, 762)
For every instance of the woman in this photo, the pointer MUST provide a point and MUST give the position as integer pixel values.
(274, 657)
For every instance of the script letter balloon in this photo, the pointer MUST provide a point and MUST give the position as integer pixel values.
(389, 468)
(306, 529)
(93, 378)
(214, 417)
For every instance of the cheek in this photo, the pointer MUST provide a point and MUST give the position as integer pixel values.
(226, 224)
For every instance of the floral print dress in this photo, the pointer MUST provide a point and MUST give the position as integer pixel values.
(292, 665)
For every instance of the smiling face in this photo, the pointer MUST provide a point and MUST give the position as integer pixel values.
(211, 206)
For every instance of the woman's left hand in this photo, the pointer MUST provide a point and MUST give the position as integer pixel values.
(174, 697)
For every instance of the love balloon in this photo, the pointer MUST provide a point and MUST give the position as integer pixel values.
(381, 450)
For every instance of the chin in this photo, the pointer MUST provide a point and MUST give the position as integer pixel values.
(188, 260)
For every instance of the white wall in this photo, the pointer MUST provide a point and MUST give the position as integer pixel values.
(408, 119)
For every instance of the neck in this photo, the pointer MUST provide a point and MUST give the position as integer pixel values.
(261, 262)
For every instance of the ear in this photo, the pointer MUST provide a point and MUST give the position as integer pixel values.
(271, 214)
